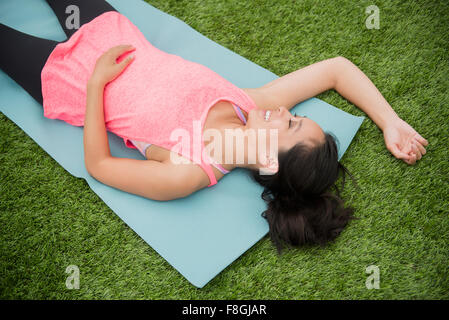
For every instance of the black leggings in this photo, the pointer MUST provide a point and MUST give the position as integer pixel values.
(23, 56)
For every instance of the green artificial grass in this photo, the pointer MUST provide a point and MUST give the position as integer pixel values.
(51, 219)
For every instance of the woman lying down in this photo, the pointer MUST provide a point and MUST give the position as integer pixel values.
(108, 76)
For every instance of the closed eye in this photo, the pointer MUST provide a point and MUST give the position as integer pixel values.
(298, 126)
(290, 121)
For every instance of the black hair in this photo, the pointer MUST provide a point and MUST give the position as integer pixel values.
(301, 210)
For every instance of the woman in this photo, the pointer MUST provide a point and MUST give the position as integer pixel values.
(97, 80)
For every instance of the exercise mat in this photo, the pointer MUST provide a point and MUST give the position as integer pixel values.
(199, 235)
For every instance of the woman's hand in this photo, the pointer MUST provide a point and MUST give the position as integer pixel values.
(107, 68)
(403, 141)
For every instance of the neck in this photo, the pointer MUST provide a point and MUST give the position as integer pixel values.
(239, 144)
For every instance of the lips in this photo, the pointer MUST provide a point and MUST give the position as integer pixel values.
(263, 114)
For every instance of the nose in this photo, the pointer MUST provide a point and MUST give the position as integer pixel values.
(282, 111)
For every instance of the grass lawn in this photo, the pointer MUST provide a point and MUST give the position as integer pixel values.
(50, 219)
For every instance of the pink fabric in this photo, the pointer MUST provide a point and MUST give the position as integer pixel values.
(158, 92)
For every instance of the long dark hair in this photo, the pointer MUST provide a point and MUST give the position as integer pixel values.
(300, 207)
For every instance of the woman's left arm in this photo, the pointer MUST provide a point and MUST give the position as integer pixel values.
(400, 138)
(342, 75)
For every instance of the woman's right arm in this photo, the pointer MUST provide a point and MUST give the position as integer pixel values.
(147, 178)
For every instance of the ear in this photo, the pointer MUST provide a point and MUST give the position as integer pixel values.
(269, 167)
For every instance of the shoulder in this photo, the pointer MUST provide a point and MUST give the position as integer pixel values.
(261, 97)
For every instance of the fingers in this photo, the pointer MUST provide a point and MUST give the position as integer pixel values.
(119, 63)
(118, 51)
(121, 49)
(115, 54)
(125, 62)
(410, 158)
(394, 149)
(408, 148)
(415, 155)
(421, 140)
(416, 151)
(421, 148)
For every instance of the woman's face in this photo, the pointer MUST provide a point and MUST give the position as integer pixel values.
(291, 129)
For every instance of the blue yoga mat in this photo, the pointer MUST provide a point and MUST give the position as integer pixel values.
(199, 235)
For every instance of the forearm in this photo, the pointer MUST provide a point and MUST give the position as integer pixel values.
(96, 146)
(356, 87)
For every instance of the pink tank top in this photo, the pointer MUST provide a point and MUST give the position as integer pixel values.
(158, 95)
(143, 146)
